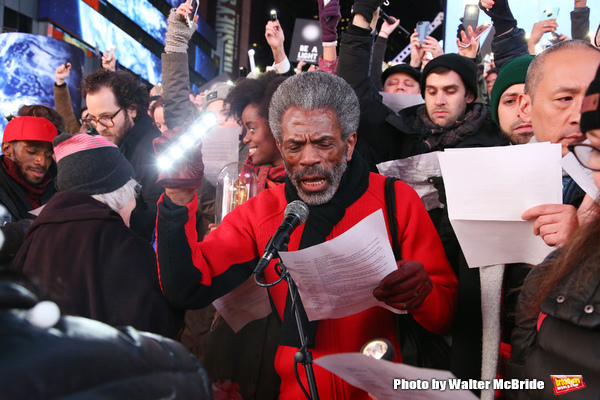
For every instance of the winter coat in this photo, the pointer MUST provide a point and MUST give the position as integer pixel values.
(94, 266)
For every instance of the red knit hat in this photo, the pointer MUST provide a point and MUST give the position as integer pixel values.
(29, 128)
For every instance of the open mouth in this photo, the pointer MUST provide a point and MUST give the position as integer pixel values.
(313, 184)
(252, 150)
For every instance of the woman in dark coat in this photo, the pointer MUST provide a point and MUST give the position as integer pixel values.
(82, 250)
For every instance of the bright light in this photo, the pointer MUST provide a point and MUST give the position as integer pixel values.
(164, 162)
(251, 52)
(176, 151)
(187, 140)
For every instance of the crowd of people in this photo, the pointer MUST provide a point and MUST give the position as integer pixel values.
(94, 225)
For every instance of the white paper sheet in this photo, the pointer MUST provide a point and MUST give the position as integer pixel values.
(488, 189)
(336, 278)
(248, 302)
(377, 378)
(219, 148)
(400, 101)
(415, 171)
(581, 175)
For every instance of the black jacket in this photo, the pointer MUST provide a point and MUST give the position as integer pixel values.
(14, 199)
(567, 342)
(137, 149)
(80, 358)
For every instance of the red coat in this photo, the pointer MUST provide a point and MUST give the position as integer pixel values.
(228, 255)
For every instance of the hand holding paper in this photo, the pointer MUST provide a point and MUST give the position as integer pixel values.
(553, 222)
(405, 288)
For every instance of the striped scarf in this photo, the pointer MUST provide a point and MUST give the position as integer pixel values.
(464, 127)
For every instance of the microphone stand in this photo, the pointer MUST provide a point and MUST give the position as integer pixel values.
(303, 355)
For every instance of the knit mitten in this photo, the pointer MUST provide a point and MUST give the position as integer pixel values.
(329, 16)
(178, 33)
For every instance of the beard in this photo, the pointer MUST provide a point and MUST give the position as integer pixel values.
(332, 176)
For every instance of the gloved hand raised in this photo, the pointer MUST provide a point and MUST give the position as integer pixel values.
(405, 288)
(185, 173)
(366, 8)
(329, 17)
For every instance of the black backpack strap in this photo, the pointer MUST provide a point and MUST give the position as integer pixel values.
(390, 201)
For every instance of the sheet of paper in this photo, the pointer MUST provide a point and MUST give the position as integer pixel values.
(378, 377)
(581, 175)
(400, 101)
(496, 185)
(248, 302)
(219, 148)
(415, 171)
(336, 278)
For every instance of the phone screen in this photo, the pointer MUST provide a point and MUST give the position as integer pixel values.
(471, 16)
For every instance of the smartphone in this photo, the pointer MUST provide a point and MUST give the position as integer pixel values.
(550, 13)
(471, 17)
(422, 30)
(190, 18)
(480, 30)
(554, 38)
(273, 15)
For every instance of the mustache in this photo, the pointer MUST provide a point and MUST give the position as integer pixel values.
(312, 170)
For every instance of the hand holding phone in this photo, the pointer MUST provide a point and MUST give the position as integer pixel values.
(189, 19)
(474, 35)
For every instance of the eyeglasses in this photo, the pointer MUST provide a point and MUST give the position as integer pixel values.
(107, 122)
(597, 37)
(587, 155)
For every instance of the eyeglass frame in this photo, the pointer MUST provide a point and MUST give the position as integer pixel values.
(596, 37)
(88, 120)
(572, 147)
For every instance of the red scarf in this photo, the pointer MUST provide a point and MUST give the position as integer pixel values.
(33, 193)
(268, 175)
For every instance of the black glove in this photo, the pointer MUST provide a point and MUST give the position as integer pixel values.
(501, 15)
(366, 8)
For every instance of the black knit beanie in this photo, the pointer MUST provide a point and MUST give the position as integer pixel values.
(401, 68)
(590, 109)
(89, 164)
(463, 66)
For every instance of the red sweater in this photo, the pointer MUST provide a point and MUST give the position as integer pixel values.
(193, 274)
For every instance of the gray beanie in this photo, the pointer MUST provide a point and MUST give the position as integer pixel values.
(89, 164)
(218, 92)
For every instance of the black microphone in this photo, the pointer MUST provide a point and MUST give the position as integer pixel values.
(390, 21)
(296, 214)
